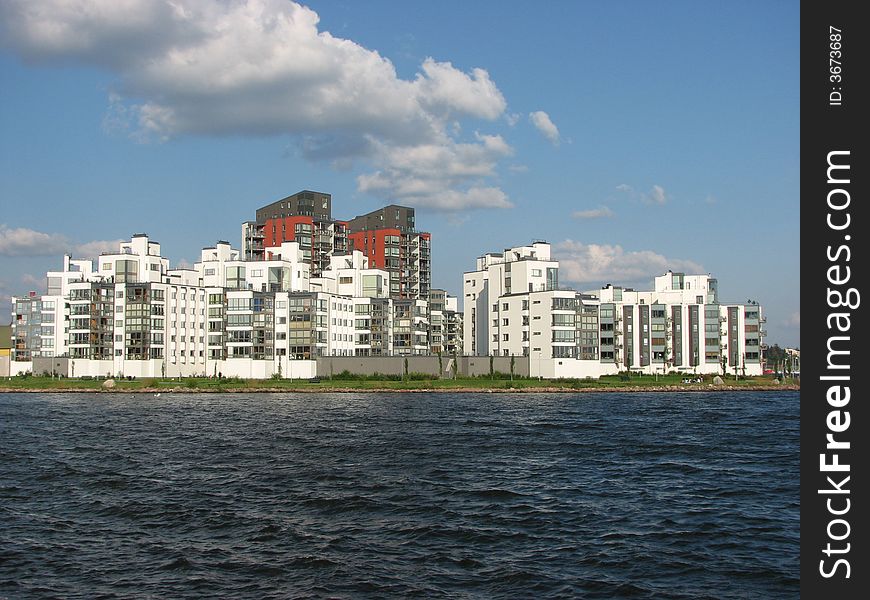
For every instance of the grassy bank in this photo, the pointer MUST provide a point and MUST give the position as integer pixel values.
(413, 382)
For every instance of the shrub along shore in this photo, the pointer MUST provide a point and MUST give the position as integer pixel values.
(412, 382)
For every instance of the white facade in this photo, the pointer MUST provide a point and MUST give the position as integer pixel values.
(516, 271)
(513, 307)
(129, 314)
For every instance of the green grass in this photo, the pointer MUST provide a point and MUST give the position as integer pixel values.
(413, 382)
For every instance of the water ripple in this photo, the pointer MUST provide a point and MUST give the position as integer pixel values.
(401, 495)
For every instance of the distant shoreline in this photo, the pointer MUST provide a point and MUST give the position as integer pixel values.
(705, 388)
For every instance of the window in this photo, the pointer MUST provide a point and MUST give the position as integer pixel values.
(126, 271)
(561, 335)
(563, 351)
(560, 320)
(236, 277)
(504, 322)
(209, 272)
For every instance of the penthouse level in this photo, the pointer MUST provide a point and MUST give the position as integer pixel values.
(387, 237)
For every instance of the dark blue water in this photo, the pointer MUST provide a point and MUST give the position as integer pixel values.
(400, 495)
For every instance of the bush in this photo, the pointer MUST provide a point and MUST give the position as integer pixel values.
(494, 375)
(412, 376)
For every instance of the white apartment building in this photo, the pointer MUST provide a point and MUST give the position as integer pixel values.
(514, 307)
(129, 314)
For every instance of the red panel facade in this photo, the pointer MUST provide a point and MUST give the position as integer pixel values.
(373, 245)
(281, 230)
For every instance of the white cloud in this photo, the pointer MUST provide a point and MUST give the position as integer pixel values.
(28, 242)
(593, 213)
(22, 241)
(656, 196)
(447, 176)
(95, 248)
(263, 68)
(793, 320)
(596, 263)
(542, 123)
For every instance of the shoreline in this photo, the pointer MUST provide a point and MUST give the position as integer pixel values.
(459, 390)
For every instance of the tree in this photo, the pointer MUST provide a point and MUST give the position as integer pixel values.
(513, 363)
(440, 364)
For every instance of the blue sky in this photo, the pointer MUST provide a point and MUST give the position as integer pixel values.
(635, 137)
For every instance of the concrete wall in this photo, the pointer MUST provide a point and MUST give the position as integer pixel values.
(324, 367)
(395, 365)
(246, 369)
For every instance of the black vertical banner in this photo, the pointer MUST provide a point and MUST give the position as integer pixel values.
(834, 226)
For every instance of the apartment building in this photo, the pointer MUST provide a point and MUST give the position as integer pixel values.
(445, 323)
(514, 307)
(129, 313)
(389, 238)
(305, 218)
(386, 237)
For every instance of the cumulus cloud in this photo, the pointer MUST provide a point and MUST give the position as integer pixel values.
(597, 263)
(793, 320)
(542, 123)
(447, 176)
(22, 241)
(657, 195)
(593, 213)
(263, 68)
